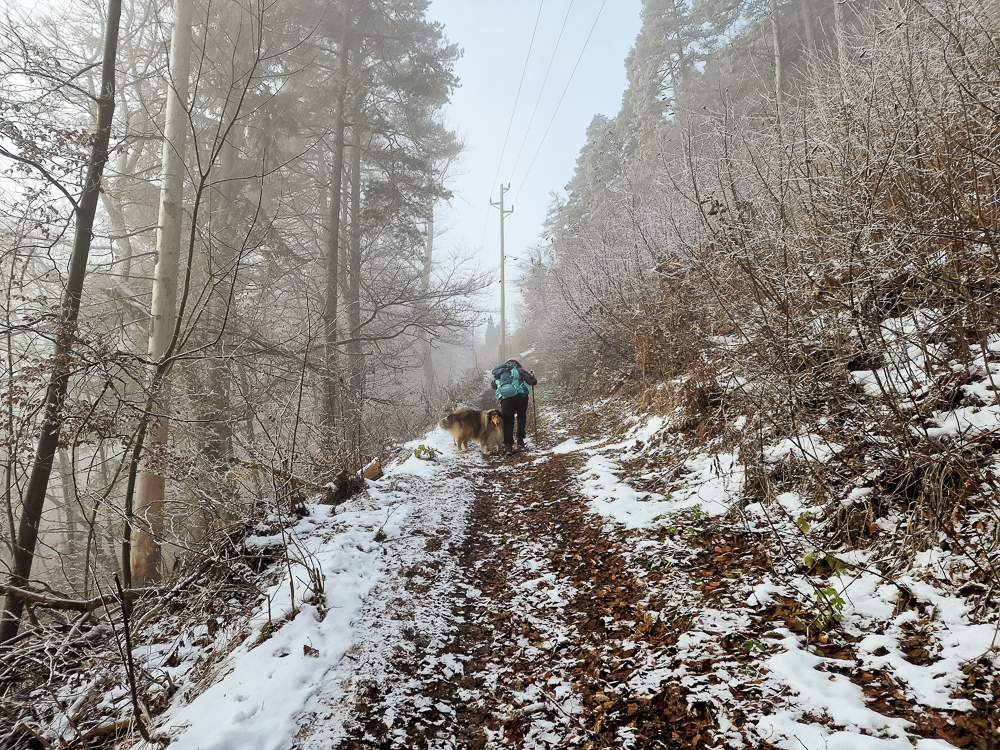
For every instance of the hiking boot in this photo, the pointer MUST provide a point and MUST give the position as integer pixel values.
(520, 445)
(508, 450)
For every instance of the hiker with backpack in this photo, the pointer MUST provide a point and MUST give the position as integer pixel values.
(512, 382)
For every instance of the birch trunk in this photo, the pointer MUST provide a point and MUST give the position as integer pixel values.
(146, 557)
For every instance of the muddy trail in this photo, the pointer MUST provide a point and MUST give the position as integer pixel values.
(597, 592)
(525, 620)
(549, 625)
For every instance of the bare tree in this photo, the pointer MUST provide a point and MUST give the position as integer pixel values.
(150, 485)
(85, 210)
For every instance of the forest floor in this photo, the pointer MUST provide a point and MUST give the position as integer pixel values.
(539, 623)
(612, 587)
(547, 623)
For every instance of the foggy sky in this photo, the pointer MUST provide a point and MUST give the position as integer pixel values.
(495, 37)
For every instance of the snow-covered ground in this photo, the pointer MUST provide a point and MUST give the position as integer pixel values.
(299, 645)
(787, 668)
(363, 578)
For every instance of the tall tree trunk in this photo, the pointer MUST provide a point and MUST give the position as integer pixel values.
(8, 469)
(71, 511)
(353, 296)
(33, 500)
(216, 405)
(838, 32)
(776, 43)
(677, 67)
(121, 240)
(211, 381)
(430, 376)
(146, 561)
(807, 25)
(333, 234)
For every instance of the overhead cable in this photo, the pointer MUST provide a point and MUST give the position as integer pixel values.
(542, 142)
(542, 89)
(513, 110)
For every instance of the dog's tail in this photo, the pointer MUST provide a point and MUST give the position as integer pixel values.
(446, 421)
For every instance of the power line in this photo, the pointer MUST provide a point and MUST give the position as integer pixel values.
(542, 89)
(513, 110)
(518, 96)
(578, 59)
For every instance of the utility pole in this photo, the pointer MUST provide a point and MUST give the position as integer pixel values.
(503, 309)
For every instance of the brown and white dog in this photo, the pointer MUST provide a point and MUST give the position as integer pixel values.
(485, 427)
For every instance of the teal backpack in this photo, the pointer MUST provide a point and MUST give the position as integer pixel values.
(508, 380)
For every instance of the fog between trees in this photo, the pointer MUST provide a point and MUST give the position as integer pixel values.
(788, 230)
(265, 329)
(716, 235)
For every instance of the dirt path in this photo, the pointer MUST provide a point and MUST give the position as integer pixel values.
(546, 630)
(523, 620)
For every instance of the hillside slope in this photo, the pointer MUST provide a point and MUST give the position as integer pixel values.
(619, 590)
(622, 587)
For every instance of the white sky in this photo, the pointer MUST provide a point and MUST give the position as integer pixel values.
(495, 36)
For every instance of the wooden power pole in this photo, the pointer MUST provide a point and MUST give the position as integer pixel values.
(503, 307)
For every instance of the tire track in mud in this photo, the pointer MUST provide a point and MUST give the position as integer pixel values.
(546, 629)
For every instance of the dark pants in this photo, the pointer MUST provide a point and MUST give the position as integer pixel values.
(509, 407)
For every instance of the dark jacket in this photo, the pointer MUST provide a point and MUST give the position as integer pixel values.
(527, 377)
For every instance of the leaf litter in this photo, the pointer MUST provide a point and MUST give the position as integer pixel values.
(621, 593)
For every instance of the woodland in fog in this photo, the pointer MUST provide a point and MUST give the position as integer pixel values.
(220, 283)
(254, 307)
